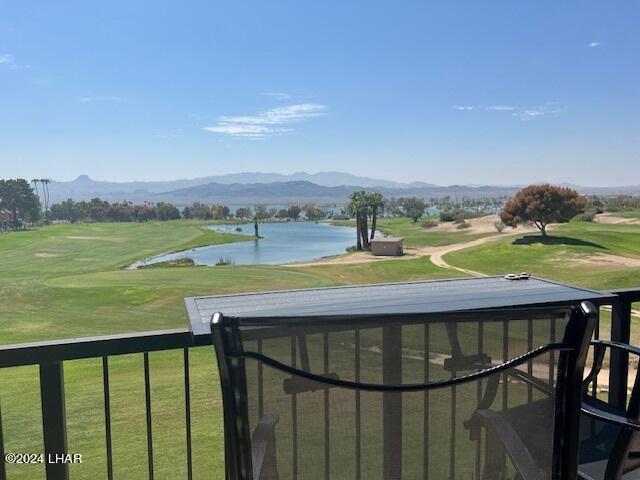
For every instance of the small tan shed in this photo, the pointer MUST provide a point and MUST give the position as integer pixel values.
(387, 246)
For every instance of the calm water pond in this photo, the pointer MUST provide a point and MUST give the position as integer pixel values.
(281, 243)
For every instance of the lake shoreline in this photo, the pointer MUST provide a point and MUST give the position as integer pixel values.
(282, 243)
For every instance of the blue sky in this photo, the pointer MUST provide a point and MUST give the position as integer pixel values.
(443, 92)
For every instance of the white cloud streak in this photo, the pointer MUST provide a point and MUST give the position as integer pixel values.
(7, 59)
(99, 98)
(523, 113)
(267, 123)
(594, 44)
(278, 95)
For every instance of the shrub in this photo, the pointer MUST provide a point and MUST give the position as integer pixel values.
(499, 226)
(429, 224)
(463, 225)
(224, 261)
(585, 217)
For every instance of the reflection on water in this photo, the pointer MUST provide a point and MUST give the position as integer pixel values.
(280, 243)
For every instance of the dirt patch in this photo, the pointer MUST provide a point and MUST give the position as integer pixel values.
(45, 254)
(606, 260)
(480, 225)
(613, 219)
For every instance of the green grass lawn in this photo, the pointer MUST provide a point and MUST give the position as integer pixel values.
(561, 255)
(416, 235)
(66, 281)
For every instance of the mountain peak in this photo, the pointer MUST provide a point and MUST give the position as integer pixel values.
(83, 178)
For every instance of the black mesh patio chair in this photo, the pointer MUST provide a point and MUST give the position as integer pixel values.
(609, 438)
(388, 397)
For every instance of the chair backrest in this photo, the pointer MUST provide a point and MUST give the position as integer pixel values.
(363, 397)
(609, 432)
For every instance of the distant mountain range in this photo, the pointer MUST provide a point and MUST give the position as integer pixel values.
(256, 187)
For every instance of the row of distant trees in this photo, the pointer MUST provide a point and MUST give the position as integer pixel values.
(259, 212)
(97, 210)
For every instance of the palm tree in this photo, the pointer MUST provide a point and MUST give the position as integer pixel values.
(35, 184)
(376, 203)
(358, 207)
(45, 187)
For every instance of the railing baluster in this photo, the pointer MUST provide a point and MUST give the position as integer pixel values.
(326, 408)
(620, 332)
(530, 362)
(425, 401)
(479, 399)
(260, 384)
(358, 418)
(107, 416)
(294, 415)
(147, 398)
(596, 336)
(187, 412)
(3, 470)
(54, 423)
(392, 401)
(505, 357)
(552, 354)
(452, 445)
(505, 381)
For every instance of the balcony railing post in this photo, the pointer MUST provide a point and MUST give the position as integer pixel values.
(619, 371)
(3, 471)
(392, 401)
(54, 424)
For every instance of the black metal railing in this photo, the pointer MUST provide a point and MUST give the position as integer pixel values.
(50, 357)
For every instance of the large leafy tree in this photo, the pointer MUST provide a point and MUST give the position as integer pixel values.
(542, 205)
(16, 196)
(167, 211)
(413, 207)
(313, 213)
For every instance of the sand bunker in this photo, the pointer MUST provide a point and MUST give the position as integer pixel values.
(612, 219)
(606, 260)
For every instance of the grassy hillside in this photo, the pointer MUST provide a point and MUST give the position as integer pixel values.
(577, 252)
(65, 281)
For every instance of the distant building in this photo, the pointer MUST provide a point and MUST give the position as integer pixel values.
(387, 246)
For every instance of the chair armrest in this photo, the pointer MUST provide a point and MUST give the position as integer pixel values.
(263, 444)
(598, 356)
(618, 345)
(621, 421)
(512, 443)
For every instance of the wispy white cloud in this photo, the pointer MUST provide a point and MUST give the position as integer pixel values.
(523, 113)
(100, 98)
(267, 123)
(501, 108)
(7, 59)
(463, 108)
(594, 44)
(546, 110)
(278, 95)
